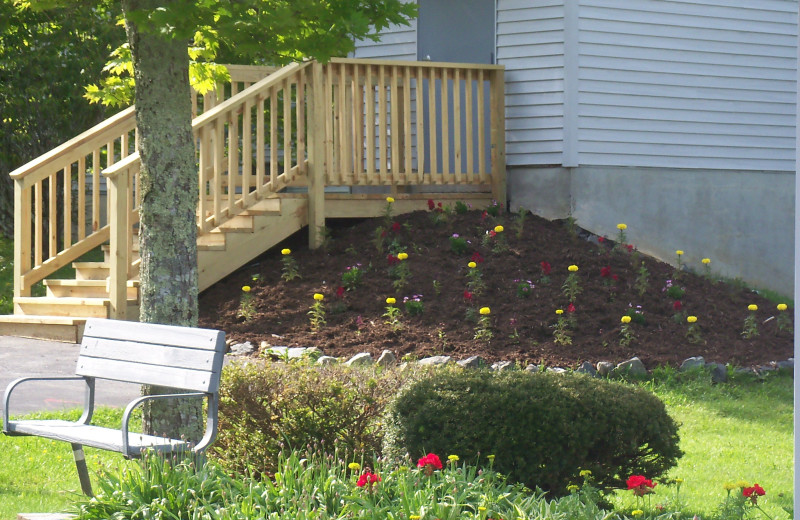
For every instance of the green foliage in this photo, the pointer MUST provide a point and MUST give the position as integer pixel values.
(6, 276)
(265, 407)
(543, 428)
(352, 277)
(460, 207)
(458, 245)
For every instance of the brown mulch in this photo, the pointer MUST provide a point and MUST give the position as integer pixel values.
(522, 327)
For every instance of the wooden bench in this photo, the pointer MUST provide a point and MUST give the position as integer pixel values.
(187, 359)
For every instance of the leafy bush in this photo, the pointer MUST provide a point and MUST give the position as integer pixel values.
(265, 407)
(542, 428)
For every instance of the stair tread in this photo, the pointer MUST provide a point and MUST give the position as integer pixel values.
(63, 300)
(90, 264)
(70, 282)
(42, 319)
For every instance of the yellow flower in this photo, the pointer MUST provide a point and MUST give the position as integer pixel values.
(728, 486)
(573, 268)
(402, 256)
(319, 297)
(691, 319)
(414, 517)
(246, 288)
(637, 512)
(752, 307)
(481, 509)
(389, 199)
(559, 311)
(472, 265)
(586, 472)
(679, 252)
(391, 301)
(742, 483)
(286, 251)
(572, 487)
(782, 307)
(355, 466)
(706, 261)
(498, 229)
(490, 457)
(679, 481)
(622, 227)
(485, 310)
(452, 458)
(625, 319)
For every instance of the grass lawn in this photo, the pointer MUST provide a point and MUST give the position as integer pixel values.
(741, 430)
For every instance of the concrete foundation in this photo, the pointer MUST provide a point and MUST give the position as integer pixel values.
(742, 220)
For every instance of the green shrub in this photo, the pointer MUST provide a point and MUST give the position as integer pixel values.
(543, 429)
(266, 407)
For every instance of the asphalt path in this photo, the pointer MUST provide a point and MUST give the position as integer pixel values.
(23, 357)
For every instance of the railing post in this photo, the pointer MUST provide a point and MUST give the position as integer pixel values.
(316, 157)
(120, 236)
(498, 135)
(22, 239)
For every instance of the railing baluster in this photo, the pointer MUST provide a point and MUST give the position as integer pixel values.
(260, 144)
(95, 190)
(287, 130)
(52, 215)
(394, 125)
(329, 111)
(233, 159)
(445, 87)
(273, 137)
(358, 125)
(433, 152)
(470, 143)
(406, 135)
(457, 125)
(300, 112)
(219, 155)
(369, 103)
(202, 178)
(482, 169)
(420, 92)
(37, 212)
(342, 134)
(247, 152)
(67, 242)
(81, 198)
(382, 124)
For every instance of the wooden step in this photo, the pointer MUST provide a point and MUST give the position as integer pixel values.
(107, 251)
(265, 207)
(65, 306)
(91, 270)
(86, 288)
(211, 242)
(238, 224)
(53, 328)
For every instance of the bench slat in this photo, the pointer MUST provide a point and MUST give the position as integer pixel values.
(154, 333)
(94, 436)
(148, 353)
(199, 381)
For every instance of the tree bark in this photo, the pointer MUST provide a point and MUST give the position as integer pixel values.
(169, 188)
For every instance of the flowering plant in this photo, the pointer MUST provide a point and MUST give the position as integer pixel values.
(750, 325)
(625, 333)
(316, 314)
(458, 244)
(524, 288)
(392, 315)
(398, 270)
(289, 266)
(413, 305)
(571, 287)
(429, 463)
(475, 283)
(706, 267)
(352, 277)
(546, 268)
(640, 485)
(247, 308)
(693, 331)
(561, 334)
(622, 239)
(484, 329)
(673, 291)
(784, 322)
(368, 479)
(387, 211)
(494, 208)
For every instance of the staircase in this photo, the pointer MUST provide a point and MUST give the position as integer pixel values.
(267, 157)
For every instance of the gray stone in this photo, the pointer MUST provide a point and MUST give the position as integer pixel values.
(435, 360)
(587, 368)
(604, 368)
(472, 362)
(742, 371)
(633, 367)
(326, 360)
(360, 359)
(533, 368)
(242, 349)
(275, 352)
(557, 370)
(693, 363)
(387, 359)
(503, 365)
(786, 366)
(719, 372)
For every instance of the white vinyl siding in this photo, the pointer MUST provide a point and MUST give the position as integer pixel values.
(687, 84)
(530, 43)
(398, 42)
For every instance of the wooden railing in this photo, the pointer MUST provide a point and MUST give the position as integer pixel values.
(349, 123)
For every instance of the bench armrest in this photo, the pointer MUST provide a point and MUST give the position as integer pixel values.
(211, 420)
(88, 403)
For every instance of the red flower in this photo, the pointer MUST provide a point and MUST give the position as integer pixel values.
(753, 493)
(392, 259)
(340, 292)
(492, 233)
(601, 239)
(570, 308)
(615, 277)
(605, 272)
(429, 463)
(640, 485)
(477, 258)
(677, 305)
(367, 478)
(546, 268)
(629, 247)
(395, 226)
(468, 296)
(383, 234)
(484, 215)
(431, 205)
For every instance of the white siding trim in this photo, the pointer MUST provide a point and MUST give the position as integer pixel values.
(571, 84)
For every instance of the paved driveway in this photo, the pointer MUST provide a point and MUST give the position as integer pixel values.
(23, 357)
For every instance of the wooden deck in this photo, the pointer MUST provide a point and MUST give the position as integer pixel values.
(277, 150)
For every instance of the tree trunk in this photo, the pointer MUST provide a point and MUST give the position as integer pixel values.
(169, 187)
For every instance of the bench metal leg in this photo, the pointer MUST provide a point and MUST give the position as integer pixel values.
(83, 471)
